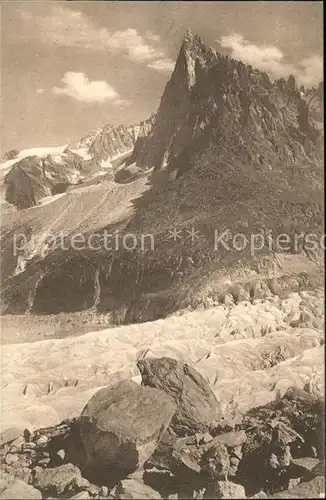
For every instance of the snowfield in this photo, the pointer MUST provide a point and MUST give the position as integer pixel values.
(47, 381)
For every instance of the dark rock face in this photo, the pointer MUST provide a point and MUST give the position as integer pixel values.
(121, 426)
(60, 187)
(33, 178)
(197, 408)
(144, 131)
(21, 191)
(127, 174)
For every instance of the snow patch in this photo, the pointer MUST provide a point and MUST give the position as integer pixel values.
(105, 164)
(41, 152)
(99, 173)
(58, 158)
(75, 178)
(49, 199)
(82, 152)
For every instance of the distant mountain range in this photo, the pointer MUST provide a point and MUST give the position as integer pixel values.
(34, 174)
(228, 149)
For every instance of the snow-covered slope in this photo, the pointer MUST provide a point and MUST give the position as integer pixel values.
(247, 352)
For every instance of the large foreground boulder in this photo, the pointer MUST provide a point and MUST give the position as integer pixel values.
(121, 425)
(197, 408)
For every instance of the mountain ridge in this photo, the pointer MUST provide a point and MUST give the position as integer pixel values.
(37, 176)
(207, 86)
(230, 150)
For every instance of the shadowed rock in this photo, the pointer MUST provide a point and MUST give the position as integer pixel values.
(197, 408)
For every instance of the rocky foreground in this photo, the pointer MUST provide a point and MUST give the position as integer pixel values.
(167, 438)
(230, 406)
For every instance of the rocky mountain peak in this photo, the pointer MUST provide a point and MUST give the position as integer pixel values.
(192, 51)
(213, 98)
(192, 42)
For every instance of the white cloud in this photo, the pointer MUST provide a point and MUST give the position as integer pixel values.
(133, 45)
(40, 91)
(79, 87)
(270, 59)
(163, 65)
(69, 28)
(311, 70)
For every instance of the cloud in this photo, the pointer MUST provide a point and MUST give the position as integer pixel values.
(311, 70)
(162, 65)
(133, 45)
(64, 27)
(270, 59)
(79, 87)
(40, 91)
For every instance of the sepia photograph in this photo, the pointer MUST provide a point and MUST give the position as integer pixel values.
(162, 246)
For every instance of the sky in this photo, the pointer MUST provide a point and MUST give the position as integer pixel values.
(71, 67)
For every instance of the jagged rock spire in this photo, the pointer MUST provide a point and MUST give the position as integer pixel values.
(189, 35)
(191, 39)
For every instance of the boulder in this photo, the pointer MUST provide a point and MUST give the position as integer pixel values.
(188, 455)
(259, 494)
(224, 489)
(58, 480)
(319, 469)
(197, 408)
(132, 488)
(216, 462)
(231, 439)
(121, 425)
(14, 488)
(306, 464)
(10, 434)
(315, 488)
